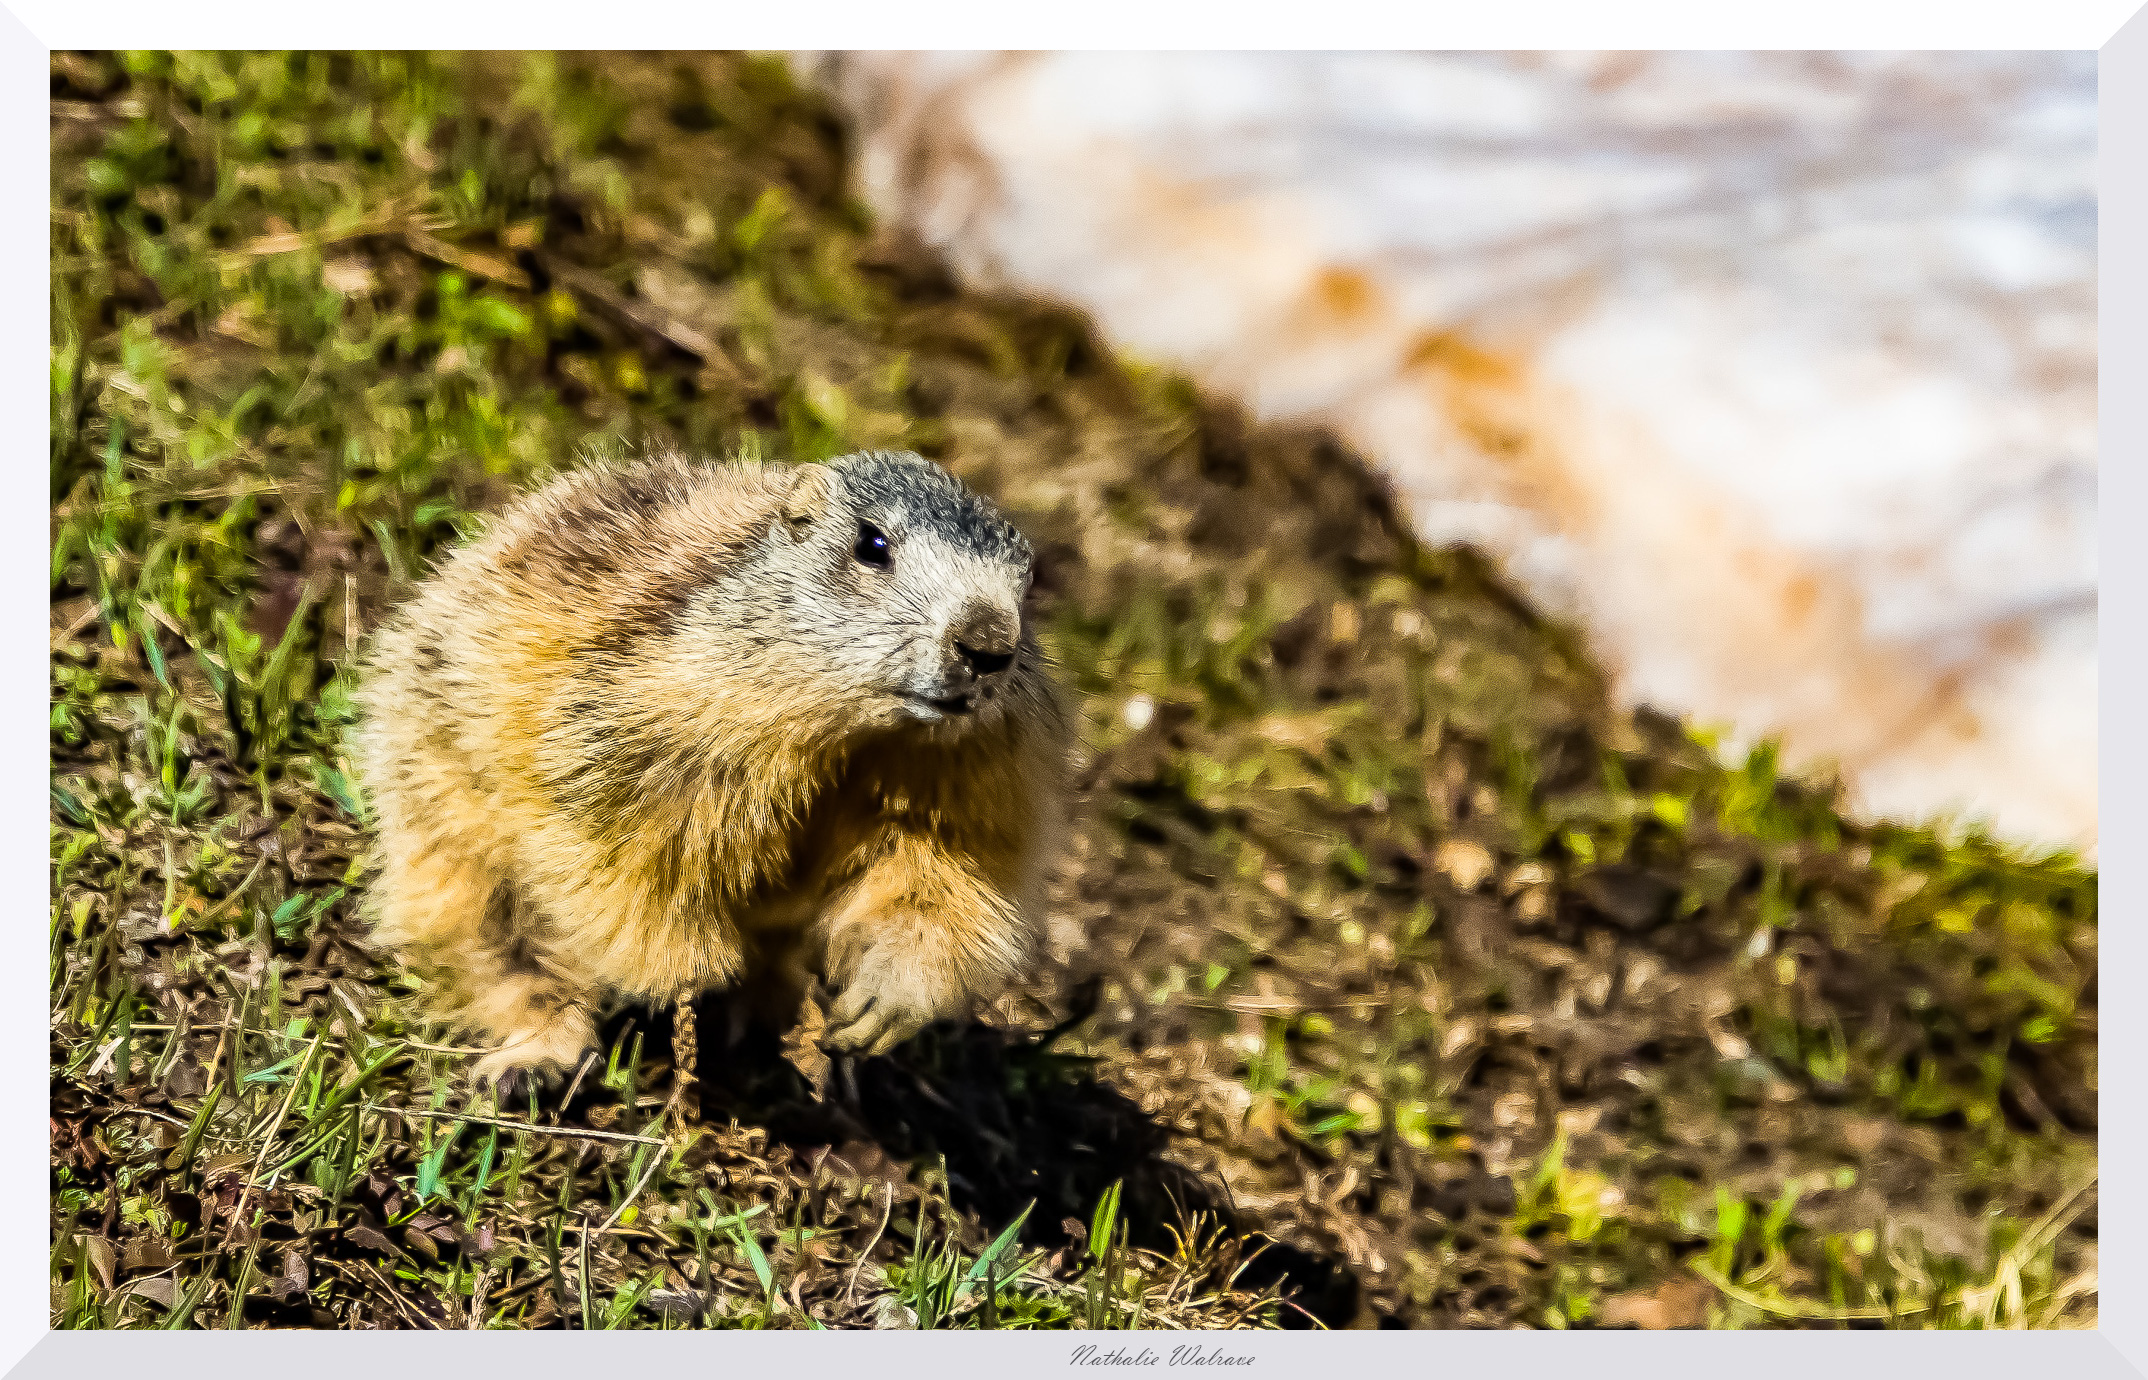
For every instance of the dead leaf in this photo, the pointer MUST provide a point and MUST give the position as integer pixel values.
(223, 1166)
(1305, 732)
(860, 1161)
(801, 1045)
(1863, 1134)
(158, 1291)
(352, 277)
(186, 1079)
(1681, 1302)
(680, 1305)
(685, 296)
(889, 1312)
(371, 1240)
(102, 1259)
(474, 262)
(145, 1253)
(241, 321)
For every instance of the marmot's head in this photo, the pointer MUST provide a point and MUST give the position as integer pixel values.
(906, 586)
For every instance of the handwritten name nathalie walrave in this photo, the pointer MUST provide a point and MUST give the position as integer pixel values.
(1089, 1354)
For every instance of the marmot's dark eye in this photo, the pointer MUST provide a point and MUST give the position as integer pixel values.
(872, 547)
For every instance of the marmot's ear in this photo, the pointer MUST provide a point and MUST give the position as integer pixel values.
(808, 497)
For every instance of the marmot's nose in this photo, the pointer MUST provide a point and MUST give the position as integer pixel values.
(984, 663)
(984, 638)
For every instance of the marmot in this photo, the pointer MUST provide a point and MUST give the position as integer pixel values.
(671, 725)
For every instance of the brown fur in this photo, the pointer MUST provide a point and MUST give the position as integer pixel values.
(659, 729)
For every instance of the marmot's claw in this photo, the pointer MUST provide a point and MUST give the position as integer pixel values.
(875, 1034)
(889, 1038)
(866, 1026)
(508, 1082)
(852, 1019)
(511, 1086)
(512, 1074)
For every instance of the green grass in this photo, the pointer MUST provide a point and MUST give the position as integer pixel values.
(1393, 968)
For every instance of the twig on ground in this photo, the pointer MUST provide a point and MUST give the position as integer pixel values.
(850, 1292)
(658, 326)
(530, 1127)
(470, 261)
(588, 1062)
(655, 1163)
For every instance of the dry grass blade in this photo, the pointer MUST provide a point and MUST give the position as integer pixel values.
(531, 1128)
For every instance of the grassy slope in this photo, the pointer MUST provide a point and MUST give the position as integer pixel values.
(1383, 936)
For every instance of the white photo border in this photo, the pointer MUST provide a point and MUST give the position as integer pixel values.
(30, 29)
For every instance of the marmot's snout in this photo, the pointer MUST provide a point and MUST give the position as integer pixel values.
(976, 654)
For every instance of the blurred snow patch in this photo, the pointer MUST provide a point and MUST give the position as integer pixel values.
(1778, 370)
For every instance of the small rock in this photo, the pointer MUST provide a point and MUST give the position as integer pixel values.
(349, 276)
(1494, 1193)
(1465, 862)
(1514, 1111)
(1529, 874)
(1628, 897)
(680, 1305)
(1452, 1199)
(890, 1313)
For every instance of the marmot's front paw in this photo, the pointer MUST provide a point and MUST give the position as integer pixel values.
(888, 999)
(512, 1085)
(535, 1058)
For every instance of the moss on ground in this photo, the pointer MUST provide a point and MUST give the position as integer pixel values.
(1396, 974)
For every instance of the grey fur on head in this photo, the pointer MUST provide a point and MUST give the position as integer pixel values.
(904, 583)
(910, 490)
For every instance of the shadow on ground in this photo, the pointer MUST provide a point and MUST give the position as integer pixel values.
(1013, 1122)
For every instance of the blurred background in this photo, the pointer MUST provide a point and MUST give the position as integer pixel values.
(1775, 371)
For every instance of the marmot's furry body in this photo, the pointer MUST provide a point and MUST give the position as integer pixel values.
(677, 725)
